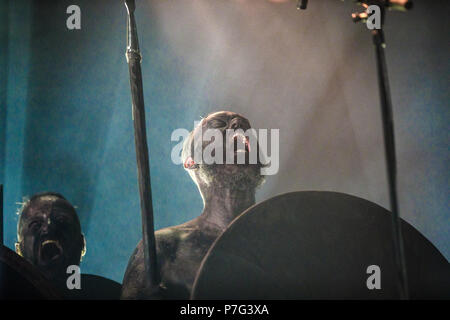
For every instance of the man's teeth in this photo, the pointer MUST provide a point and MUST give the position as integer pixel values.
(243, 139)
(49, 241)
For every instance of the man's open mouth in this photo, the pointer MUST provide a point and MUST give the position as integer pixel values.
(50, 251)
(241, 143)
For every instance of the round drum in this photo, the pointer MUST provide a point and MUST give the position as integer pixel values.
(318, 245)
(19, 279)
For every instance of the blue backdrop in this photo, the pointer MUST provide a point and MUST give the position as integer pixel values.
(65, 117)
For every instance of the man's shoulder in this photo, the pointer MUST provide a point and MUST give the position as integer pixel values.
(178, 231)
(166, 238)
(169, 239)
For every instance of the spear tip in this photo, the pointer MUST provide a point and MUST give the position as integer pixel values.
(130, 5)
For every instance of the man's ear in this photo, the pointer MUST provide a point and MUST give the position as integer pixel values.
(189, 163)
(83, 250)
(18, 250)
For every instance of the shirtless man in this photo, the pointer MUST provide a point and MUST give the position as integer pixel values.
(227, 190)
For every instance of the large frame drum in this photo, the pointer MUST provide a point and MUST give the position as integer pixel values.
(317, 245)
(20, 280)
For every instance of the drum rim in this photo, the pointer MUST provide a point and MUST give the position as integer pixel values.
(288, 194)
(29, 272)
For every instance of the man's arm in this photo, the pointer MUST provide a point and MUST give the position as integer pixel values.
(131, 283)
(133, 287)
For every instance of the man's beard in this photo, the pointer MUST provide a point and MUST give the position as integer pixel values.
(234, 177)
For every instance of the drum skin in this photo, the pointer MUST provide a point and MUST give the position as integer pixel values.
(317, 245)
(20, 280)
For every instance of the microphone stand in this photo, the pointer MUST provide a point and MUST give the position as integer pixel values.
(389, 145)
(389, 141)
(388, 132)
(388, 127)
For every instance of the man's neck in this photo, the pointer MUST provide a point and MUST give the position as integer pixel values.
(222, 205)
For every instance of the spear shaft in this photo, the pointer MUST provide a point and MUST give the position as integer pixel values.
(134, 58)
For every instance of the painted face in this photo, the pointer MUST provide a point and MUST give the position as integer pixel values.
(50, 235)
(239, 175)
(236, 137)
(237, 143)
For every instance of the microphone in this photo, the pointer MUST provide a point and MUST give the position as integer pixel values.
(302, 4)
(399, 5)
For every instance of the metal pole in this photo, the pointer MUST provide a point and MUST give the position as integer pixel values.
(389, 145)
(143, 167)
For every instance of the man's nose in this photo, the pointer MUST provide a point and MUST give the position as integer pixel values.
(47, 225)
(236, 123)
